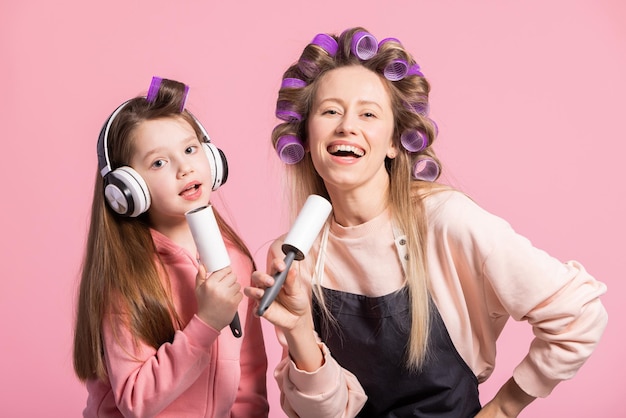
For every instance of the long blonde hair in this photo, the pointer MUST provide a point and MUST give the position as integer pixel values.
(409, 99)
(121, 271)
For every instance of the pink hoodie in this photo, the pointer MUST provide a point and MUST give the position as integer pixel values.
(202, 373)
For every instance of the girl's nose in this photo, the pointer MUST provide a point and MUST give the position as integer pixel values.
(184, 169)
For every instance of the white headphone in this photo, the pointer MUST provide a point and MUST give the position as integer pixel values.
(124, 189)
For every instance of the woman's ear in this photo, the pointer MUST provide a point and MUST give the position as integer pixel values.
(392, 152)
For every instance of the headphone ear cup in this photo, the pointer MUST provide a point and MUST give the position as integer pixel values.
(218, 164)
(126, 192)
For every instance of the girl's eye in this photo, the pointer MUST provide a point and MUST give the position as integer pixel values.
(191, 149)
(158, 163)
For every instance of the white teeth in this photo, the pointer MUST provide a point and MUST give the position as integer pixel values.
(346, 148)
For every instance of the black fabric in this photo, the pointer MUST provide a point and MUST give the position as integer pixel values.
(369, 338)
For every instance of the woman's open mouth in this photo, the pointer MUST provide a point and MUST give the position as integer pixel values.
(343, 150)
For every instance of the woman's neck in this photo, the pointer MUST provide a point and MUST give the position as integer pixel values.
(358, 206)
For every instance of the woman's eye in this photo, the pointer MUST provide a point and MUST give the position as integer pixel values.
(369, 115)
(329, 112)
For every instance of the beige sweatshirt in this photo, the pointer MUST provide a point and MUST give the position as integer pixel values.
(481, 273)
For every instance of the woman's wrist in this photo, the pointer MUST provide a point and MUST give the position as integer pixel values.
(511, 399)
(304, 349)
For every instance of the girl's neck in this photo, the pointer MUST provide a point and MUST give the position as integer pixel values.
(179, 233)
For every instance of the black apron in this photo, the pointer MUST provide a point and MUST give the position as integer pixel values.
(370, 338)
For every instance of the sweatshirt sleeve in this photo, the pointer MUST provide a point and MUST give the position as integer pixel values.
(330, 391)
(561, 301)
(145, 380)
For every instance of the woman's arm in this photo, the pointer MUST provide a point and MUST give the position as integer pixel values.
(311, 381)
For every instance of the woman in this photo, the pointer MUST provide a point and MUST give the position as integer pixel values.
(396, 309)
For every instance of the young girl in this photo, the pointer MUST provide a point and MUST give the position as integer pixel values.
(150, 337)
(396, 310)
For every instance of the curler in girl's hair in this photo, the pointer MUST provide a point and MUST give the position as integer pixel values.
(292, 83)
(184, 101)
(414, 140)
(289, 149)
(284, 111)
(396, 70)
(154, 89)
(326, 42)
(426, 169)
(364, 45)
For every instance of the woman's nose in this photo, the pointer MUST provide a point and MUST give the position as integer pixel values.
(347, 125)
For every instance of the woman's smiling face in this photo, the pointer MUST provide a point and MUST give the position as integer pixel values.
(350, 128)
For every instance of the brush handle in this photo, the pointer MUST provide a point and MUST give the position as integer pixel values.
(272, 291)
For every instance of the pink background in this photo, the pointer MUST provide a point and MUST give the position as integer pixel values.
(528, 95)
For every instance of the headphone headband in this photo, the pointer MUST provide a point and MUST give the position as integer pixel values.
(104, 164)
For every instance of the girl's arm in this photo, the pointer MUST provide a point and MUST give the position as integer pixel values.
(144, 380)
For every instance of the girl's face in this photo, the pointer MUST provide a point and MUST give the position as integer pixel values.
(350, 129)
(170, 158)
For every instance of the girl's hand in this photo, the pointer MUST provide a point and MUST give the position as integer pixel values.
(218, 296)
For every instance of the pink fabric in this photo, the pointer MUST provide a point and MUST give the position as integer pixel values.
(202, 373)
(481, 273)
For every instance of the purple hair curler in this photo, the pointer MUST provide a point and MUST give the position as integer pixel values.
(284, 111)
(419, 108)
(364, 45)
(426, 169)
(185, 94)
(292, 83)
(435, 126)
(388, 40)
(413, 140)
(155, 84)
(396, 70)
(153, 91)
(326, 42)
(415, 70)
(308, 68)
(289, 149)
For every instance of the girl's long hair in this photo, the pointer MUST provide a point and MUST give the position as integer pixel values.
(121, 271)
(409, 98)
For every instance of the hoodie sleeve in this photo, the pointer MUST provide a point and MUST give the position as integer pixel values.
(559, 300)
(144, 380)
(330, 391)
